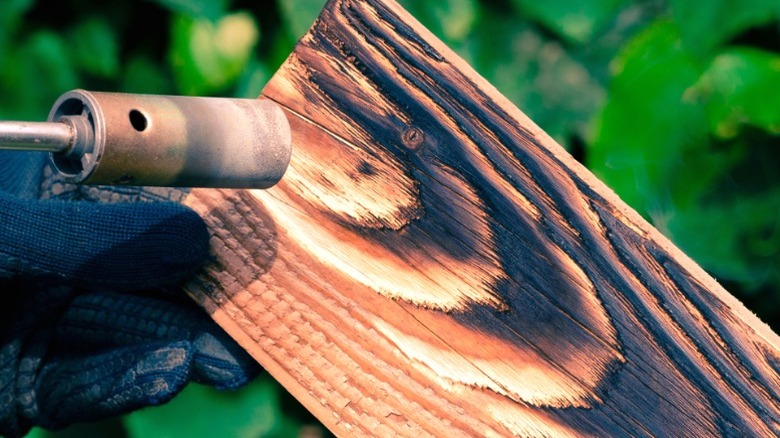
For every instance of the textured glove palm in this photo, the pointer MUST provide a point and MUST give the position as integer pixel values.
(88, 329)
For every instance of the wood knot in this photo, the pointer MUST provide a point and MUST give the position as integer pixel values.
(413, 138)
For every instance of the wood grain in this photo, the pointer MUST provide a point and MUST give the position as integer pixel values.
(434, 264)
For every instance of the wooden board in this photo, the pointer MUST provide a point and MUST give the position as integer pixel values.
(433, 264)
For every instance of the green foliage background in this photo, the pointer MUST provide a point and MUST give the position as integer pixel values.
(675, 104)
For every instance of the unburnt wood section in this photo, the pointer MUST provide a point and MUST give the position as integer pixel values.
(434, 264)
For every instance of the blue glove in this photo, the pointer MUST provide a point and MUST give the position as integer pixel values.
(91, 322)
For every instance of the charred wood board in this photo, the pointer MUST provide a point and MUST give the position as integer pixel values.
(433, 264)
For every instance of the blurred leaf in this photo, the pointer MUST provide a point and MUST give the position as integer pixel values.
(253, 80)
(649, 137)
(11, 12)
(95, 47)
(38, 71)
(718, 201)
(704, 26)
(142, 75)
(199, 410)
(283, 45)
(537, 74)
(502, 49)
(577, 21)
(741, 87)
(111, 427)
(565, 94)
(299, 15)
(737, 239)
(450, 20)
(734, 229)
(206, 57)
(210, 9)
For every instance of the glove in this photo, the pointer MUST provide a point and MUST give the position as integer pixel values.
(91, 322)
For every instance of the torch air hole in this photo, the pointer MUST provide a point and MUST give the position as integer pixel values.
(138, 120)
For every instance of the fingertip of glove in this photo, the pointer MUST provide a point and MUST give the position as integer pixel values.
(97, 387)
(221, 363)
(163, 371)
(225, 375)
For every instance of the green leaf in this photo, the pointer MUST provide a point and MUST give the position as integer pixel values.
(736, 238)
(705, 26)
(741, 87)
(539, 75)
(111, 427)
(95, 47)
(252, 81)
(208, 58)
(209, 9)
(450, 20)
(142, 75)
(38, 71)
(650, 144)
(11, 12)
(283, 46)
(717, 200)
(299, 15)
(577, 21)
(199, 410)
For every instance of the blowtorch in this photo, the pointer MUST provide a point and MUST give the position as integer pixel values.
(152, 140)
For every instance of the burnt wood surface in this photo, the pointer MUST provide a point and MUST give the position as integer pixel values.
(434, 264)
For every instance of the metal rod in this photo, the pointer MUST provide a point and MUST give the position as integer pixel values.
(36, 136)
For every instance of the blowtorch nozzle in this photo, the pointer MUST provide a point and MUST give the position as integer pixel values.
(136, 139)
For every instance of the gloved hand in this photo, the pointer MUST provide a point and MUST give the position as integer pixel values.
(91, 323)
